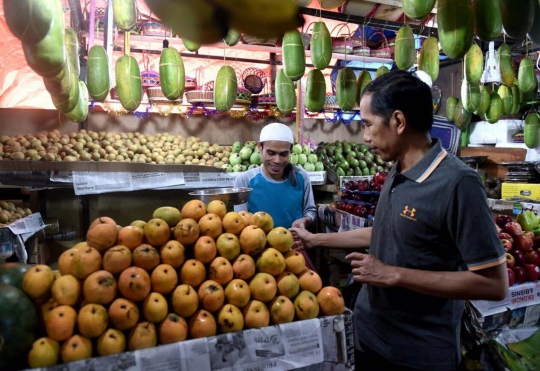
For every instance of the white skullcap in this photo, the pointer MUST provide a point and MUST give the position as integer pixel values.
(276, 131)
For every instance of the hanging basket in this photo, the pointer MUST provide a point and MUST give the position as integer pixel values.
(155, 94)
(252, 40)
(153, 28)
(202, 94)
(243, 96)
(149, 77)
(345, 43)
(254, 79)
(268, 99)
(384, 51)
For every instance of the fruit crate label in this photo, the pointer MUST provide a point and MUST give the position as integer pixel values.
(88, 182)
(519, 296)
(317, 177)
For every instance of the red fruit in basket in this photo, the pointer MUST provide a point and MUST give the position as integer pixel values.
(536, 242)
(532, 257)
(379, 177)
(502, 220)
(519, 257)
(350, 207)
(351, 185)
(357, 197)
(371, 185)
(529, 234)
(371, 211)
(513, 228)
(531, 271)
(511, 277)
(377, 187)
(362, 185)
(523, 242)
(346, 195)
(519, 274)
(506, 236)
(507, 244)
(510, 261)
(360, 211)
(340, 205)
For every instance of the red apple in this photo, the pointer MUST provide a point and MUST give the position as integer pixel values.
(511, 277)
(346, 195)
(532, 257)
(379, 177)
(510, 261)
(536, 242)
(371, 184)
(502, 220)
(351, 185)
(519, 274)
(523, 242)
(531, 271)
(340, 205)
(513, 228)
(519, 257)
(529, 234)
(362, 185)
(507, 244)
(506, 236)
(357, 197)
(360, 211)
(350, 207)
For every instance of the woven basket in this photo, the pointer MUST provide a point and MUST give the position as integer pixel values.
(152, 28)
(199, 96)
(268, 99)
(345, 43)
(243, 96)
(384, 50)
(254, 79)
(330, 102)
(191, 83)
(252, 40)
(155, 94)
(114, 93)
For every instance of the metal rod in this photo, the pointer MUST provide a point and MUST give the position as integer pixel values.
(76, 15)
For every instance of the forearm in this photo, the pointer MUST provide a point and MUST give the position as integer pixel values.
(488, 284)
(355, 239)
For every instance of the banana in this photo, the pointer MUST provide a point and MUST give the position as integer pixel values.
(199, 21)
(261, 18)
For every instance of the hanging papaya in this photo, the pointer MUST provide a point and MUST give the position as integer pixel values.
(506, 98)
(29, 20)
(470, 96)
(517, 17)
(493, 113)
(321, 46)
(125, 14)
(48, 56)
(516, 100)
(80, 112)
(534, 31)
(487, 19)
(346, 89)
(128, 82)
(505, 65)
(171, 73)
(72, 49)
(485, 97)
(531, 130)
(429, 58)
(451, 103)
(382, 70)
(192, 46)
(294, 55)
(98, 73)
(456, 26)
(315, 91)
(474, 64)
(462, 117)
(526, 75)
(232, 38)
(417, 9)
(363, 80)
(285, 93)
(404, 53)
(226, 89)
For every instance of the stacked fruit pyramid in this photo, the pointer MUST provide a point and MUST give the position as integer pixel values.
(183, 274)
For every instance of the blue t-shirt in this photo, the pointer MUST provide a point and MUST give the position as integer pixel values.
(281, 199)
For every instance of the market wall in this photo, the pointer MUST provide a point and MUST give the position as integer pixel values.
(449, 81)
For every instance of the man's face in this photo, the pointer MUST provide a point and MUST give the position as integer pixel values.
(275, 156)
(380, 136)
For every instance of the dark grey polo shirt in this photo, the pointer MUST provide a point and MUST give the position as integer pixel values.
(433, 217)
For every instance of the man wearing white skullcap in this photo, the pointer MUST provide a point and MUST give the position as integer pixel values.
(279, 188)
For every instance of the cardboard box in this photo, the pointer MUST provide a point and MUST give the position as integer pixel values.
(529, 191)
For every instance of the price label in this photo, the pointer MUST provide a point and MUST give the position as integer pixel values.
(317, 177)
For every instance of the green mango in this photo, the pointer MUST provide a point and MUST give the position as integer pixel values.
(451, 103)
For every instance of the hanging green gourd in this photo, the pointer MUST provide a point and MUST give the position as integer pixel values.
(30, 20)
(171, 72)
(474, 64)
(232, 38)
(429, 58)
(417, 9)
(285, 93)
(493, 113)
(462, 117)
(192, 46)
(346, 89)
(456, 26)
(516, 100)
(315, 91)
(504, 55)
(487, 19)
(451, 103)
(405, 53)
(485, 97)
(382, 70)
(125, 14)
(506, 99)
(294, 55)
(72, 49)
(226, 89)
(470, 96)
(526, 75)
(531, 130)
(80, 112)
(98, 73)
(321, 46)
(128, 79)
(364, 78)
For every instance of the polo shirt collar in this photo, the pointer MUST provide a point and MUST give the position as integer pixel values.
(423, 168)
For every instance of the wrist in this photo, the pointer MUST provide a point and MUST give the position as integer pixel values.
(395, 278)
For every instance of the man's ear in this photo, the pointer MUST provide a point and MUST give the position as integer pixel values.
(259, 146)
(399, 121)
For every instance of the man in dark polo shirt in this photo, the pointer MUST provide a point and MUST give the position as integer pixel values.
(433, 243)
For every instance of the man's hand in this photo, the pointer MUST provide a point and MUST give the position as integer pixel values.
(368, 269)
(302, 222)
(302, 235)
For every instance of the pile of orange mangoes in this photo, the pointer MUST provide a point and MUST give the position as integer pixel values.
(182, 275)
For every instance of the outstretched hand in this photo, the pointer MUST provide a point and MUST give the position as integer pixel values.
(368, 269)
(302, 236)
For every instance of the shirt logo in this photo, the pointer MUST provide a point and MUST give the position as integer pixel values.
(408, 213)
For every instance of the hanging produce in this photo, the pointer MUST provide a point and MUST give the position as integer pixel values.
(531, 130)
(462, 117)
(487, 19)
(455, 21)
(285, 93)
(493, 113)
(315, 91)
(417, 9)
(72, 49)
(64, 89)
(225, 89)
(506, 99)
(48, 56)
(382, 70)
(98, 73)
(171, 72)
(346, 89)
(405, 52)
(526, 76)
(29, 20)
(429, 58)
(516, 99)
(505, 65)
(294, 55)
(470, 96)
(485, 97)
(192, 46)
(517, 17)
(125, 14)
(128, 79)
(364, 78)
(232, 38)
(474, 64)
(80, 112)
(451, 103)
(321, 46)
